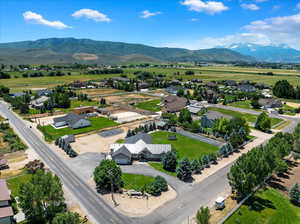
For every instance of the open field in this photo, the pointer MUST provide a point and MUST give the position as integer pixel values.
(97, 92)
(97, 123)
(266, 206)
(184, 146)
(17, 84)
(135, 181)
(229, 73)
(204, 73)
(251, 118)
(151, 105)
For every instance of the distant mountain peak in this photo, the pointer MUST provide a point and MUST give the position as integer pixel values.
(269, 53)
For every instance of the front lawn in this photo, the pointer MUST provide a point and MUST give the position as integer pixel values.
(184, 146)
(14, 183)
(245, 104)
(151, 105)
(251, 118)
(135, 181)
(267, 206)
(97, 123)
(158, 166)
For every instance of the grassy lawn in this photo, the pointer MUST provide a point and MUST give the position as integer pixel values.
(158, 166)
(97, 123)
(251, 118)
(135, 181)
(185, 146)
(267, 206)
(14, 183)
(246, 104)
(151, 105)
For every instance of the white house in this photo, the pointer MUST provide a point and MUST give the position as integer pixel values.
(123, 154)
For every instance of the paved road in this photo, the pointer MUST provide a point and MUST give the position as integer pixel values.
(99, 211)
(199, 137)
(176, 211)
(174, 182)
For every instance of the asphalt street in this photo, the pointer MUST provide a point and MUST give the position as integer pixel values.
(97, 208)
(176, 211)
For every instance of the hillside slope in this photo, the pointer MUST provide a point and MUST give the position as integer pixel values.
(62, 50)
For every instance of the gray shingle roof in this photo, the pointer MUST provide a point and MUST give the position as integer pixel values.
(140, 136)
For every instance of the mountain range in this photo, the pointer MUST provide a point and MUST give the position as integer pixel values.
(71, 50)
(270, 53)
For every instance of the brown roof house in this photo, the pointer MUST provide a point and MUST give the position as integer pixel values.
(6, 212)
(174, 104)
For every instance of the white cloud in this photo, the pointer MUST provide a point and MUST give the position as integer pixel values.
(39, 19)
(194, 19)
(209, 7)
(91, 14)
(275, 30)
(252, 7)
(298, 6)
(146, 14)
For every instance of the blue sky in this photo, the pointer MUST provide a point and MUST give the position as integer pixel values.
(192, 24)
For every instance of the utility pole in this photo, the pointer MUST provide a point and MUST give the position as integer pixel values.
(112, 188)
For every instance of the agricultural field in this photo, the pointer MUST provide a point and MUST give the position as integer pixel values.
(135, 181)
(18, 83)
(151, 105)
(266, 206)
(228, 73)
(97, 123)
(184, 146)
(251, 118)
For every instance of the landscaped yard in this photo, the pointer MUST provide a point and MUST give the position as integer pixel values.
(158, 166)
(246, 104)
(251, 118)
(267, 206)
(151, 105)
(14, 183)
(135, 181)
(184, 146)
(97, 123)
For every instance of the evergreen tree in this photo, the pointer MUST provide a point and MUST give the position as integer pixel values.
(295, 194)
(169, 161)
(184, 170)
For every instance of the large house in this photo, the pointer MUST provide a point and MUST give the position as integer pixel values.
(208, 119)
(138, 147)
(71, 120)
(174, 104)
(39, 102)
(269, 103)
(6, 212)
